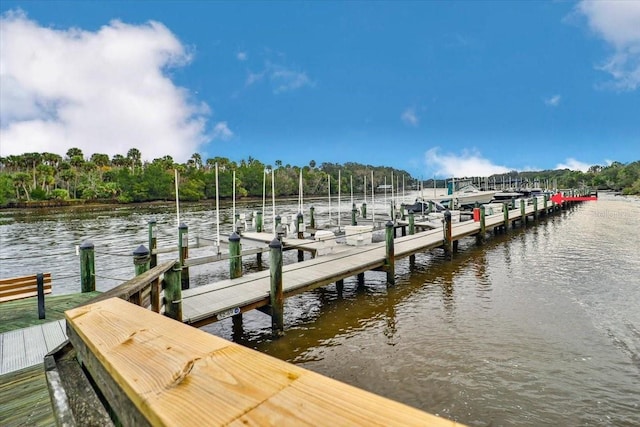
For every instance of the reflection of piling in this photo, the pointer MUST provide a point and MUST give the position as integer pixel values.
(183, 251)
(276, 296)
(87, 267)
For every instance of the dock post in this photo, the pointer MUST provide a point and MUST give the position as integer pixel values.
(535, 208)
(40, 284)
(412, 231)
(183, 252)
(481, 235)
(259, 221)
(391, 258)
(360, 277)
(393, 214)
(312, 218)
(235, 271)
(235, 256)
(364, 210)
(141, 260)
(300, 234)
(505, 212)
(173, 292)
(278, 220)
(430, 206)
(276, 295)
(448, 244)
(87, 267)
(153, 243)
(545, 201)
(354, 211)
(523, 212)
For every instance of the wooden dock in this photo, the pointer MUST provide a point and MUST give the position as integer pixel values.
(216, 301)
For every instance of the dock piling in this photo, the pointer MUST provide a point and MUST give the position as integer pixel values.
(390, 261)
(235, 256)
(412, 230)
(447, 244)
(87, 267)
(183, 251)
(535, 208)
(481, 235)
(505, 212)
(276, 296)
(523, 212)
(354, 211)
(259, 221)
(141, 260)
(173, 292)
(364, 210)
(153, 243)
(312, 219)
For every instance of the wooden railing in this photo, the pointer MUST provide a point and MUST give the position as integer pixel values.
(157, 289)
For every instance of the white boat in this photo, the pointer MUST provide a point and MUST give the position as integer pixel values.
(464, 193)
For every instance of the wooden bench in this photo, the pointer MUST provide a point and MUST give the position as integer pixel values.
(153, 370)
(23, 287)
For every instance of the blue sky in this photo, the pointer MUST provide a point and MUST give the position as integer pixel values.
(436, 88)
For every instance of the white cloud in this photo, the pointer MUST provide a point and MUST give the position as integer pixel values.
(103, 92)
(409, 117)
(468, 163)
(618, 23)
(553, 101)
(242, 56)
(281, 78)
(574, 165)
(221, 131)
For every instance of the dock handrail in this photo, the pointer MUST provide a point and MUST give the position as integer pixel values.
(144, 290)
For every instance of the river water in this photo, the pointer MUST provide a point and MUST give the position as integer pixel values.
(540, 326)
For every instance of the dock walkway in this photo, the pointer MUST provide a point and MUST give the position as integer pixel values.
(216, 301)
(26, 347)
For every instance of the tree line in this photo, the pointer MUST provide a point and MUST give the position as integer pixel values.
(126, 178)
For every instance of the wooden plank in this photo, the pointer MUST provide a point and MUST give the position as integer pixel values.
(23, 287)
(23, 280)
(174, 374)
(134, 285)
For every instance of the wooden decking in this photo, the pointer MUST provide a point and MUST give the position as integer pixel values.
(157, 371)
(216, 301)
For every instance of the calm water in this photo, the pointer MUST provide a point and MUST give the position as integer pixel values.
(538, 327)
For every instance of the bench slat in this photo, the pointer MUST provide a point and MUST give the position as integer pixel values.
(18, 281)
(23, 287)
